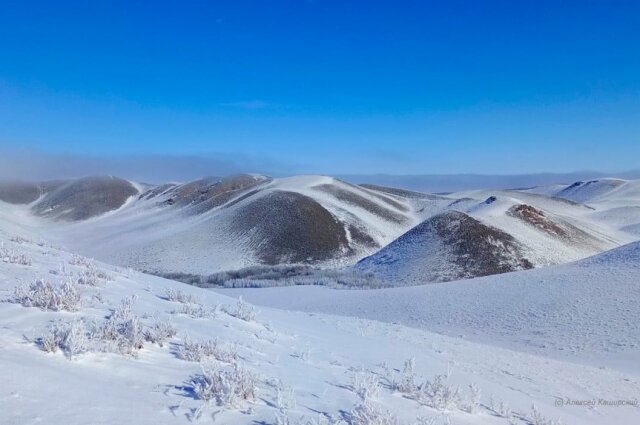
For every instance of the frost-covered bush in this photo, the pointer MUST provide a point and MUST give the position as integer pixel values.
(285, 397)
(13, 257)
(196, 351)
(538, 418)
(224, 386)
(368, 413)
(78, 260)
(72, 338)
(44, 295)
(160, 331)
(197, 311)
(92, 276)
(177, 295)
(365, 385)
(87, 278)
(122, 331)
(500, 408)
(472, 403)
(439, 394)
(405, 382)
(242, 311)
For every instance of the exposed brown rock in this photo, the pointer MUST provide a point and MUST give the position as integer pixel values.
(536, 218)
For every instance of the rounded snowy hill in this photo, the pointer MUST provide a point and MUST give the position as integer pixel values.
(448, 246)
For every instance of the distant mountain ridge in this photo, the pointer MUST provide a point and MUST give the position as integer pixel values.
(405, 237)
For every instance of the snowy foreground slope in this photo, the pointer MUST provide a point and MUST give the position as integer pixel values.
(587, 311)
(292, 367)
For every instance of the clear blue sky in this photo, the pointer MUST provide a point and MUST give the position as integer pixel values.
(328, 86)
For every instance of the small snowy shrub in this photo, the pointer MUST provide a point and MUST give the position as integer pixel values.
(365, 385)
(52, 340)
(72, 338)
(78, 260)
(159, 332)
(226, 387)
(438, 394)
(197, 311)
(75, 339)
(87, 278)
(180, 297)
(473, 402)
(285, 397)
(405, 382)
(12, 257)
(44, 295)
(92, 275)
(368, 413)
(538, 418)
(243, 311)
(500, 408)
(122, 331)
(196, 351)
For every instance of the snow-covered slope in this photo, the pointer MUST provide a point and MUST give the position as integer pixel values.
(585, 311)
(597, 194)
(594, 190)
(211, 224)
(290, 364)
(614, 203)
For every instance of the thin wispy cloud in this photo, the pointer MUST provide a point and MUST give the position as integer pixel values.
(249, 104)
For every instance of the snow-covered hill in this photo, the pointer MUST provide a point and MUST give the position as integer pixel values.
(490, 232)
(125, 347)
(448, 246)
(219, 224)
(212, 225)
